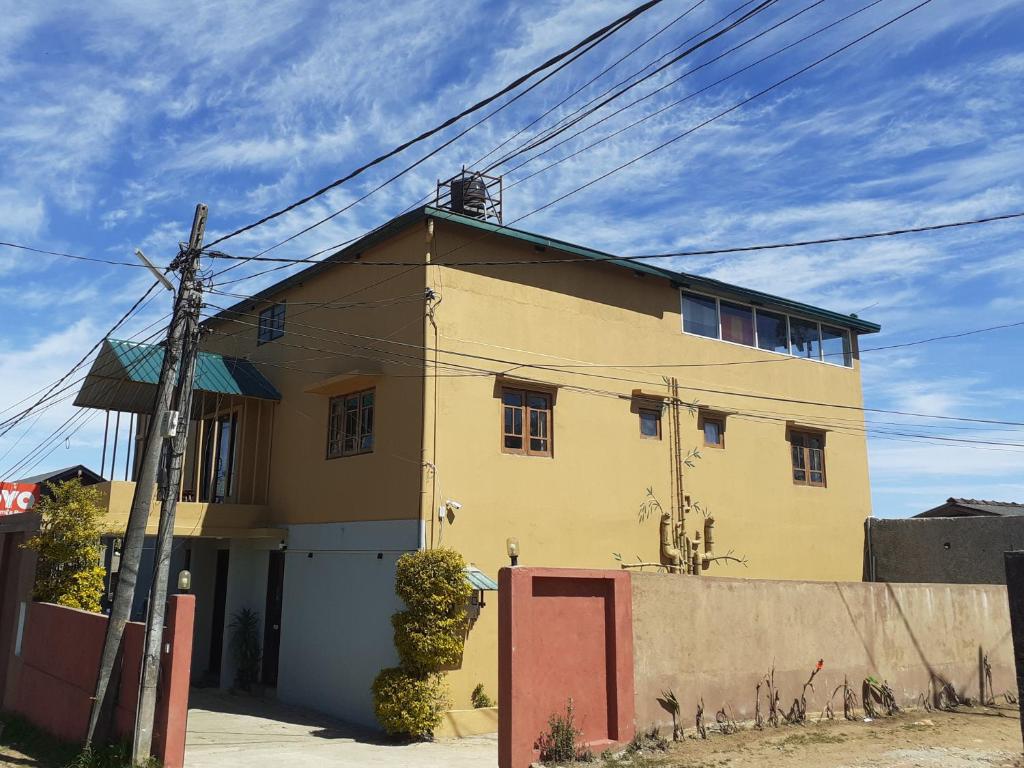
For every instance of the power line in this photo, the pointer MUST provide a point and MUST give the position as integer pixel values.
(600, 34)
(671, 255)
(562, 369)
(32, 249)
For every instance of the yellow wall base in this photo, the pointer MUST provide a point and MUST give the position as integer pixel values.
(456, 723)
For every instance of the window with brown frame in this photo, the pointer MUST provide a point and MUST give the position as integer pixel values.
(808, 451)
(650, 423)
(526, 424)
(350, 424)
(713, 428)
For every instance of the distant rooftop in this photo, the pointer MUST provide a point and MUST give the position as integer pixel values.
(955, 507)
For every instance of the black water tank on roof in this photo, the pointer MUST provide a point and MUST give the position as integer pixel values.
(469, 196)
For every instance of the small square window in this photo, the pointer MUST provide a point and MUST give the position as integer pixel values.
(650, 424)
(350, 424)
(271, 324)
(714, 431)
(526, 422)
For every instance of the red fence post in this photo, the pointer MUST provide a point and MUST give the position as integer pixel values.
(176, 663)
(563, 634)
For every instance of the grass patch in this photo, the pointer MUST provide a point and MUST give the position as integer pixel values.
(812, 737)
(49, 752)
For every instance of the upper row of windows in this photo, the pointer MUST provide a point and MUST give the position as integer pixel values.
(772, 331)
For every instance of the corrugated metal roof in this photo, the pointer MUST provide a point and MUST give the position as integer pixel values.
(955, 507)
(124, 373)
(480, 580)
(683, 279)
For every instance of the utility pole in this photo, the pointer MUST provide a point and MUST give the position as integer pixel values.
(131, 553)
(190, 289)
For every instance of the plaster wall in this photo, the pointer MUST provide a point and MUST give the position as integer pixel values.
(333, 350)
(716, 638)
(247, 588)
(581, 506)
(339, 597)
(955, 550)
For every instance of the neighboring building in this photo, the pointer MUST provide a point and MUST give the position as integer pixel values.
(20, 496)
(959, 542)
(356, 399)
(975, 508)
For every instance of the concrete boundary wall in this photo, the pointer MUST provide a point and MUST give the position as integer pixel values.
(616, 642)
(952, 550)
(715, 638)
(60, 650)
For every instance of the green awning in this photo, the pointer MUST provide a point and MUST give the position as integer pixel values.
(479, 580)
(124, 374)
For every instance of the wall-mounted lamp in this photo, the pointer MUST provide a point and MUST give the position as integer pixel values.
(184, 581)
(512, 547)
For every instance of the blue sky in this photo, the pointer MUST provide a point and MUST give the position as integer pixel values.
(119, 116)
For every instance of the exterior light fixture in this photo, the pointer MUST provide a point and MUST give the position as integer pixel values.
(184, 581)
(512, 547)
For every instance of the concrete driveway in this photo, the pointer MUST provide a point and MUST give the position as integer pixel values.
(226, 730)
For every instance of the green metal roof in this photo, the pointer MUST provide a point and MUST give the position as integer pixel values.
(681, 279)
(124, 373)
(479, 580)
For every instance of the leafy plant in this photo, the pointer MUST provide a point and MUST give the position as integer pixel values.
(480, 698)
(562, 742)
(650, 740)
(245, 647)
(429, 635)
(407, 703)
(68, 570)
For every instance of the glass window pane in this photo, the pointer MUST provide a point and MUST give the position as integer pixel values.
(771, 332)
(804, 337)
(538, 424)
(536, 444)
(737, 323)
(650, 422)
(538, 401)
(700, 315)
(835, 343)
(514, 442)
(712, 432)
(512, 398)
(513, 421)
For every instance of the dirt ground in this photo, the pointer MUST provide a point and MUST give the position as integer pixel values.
(975, 737)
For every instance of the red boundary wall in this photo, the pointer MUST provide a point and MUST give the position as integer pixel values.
(60, 652)
(563, 634)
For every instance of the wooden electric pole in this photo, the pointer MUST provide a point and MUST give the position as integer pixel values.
(190, 289)
(158, 430)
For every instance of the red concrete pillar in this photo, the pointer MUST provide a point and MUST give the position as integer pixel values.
(563, 634)
(175, 672)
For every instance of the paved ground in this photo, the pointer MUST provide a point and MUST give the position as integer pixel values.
(225, 731)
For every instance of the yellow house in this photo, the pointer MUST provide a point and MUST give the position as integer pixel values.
(448, 381)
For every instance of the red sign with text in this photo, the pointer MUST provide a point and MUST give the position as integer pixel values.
(16, 498)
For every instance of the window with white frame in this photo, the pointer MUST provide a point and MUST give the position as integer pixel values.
(750, 326)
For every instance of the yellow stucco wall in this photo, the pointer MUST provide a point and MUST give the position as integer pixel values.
(322, 351)
(580, 506)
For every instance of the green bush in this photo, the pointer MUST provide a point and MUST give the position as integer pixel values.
(429, 636)
(407, 703)
(428, 643)
(480, 698)
(68, 570)
(431, 582)
(562, 742)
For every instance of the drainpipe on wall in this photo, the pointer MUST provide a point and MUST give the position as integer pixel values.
(427, 470)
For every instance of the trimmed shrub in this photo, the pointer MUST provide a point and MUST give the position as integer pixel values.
(429, 636)
(409, 704)
(425, 643)
(431, 582)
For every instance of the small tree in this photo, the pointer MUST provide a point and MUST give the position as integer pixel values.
(68, 571)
